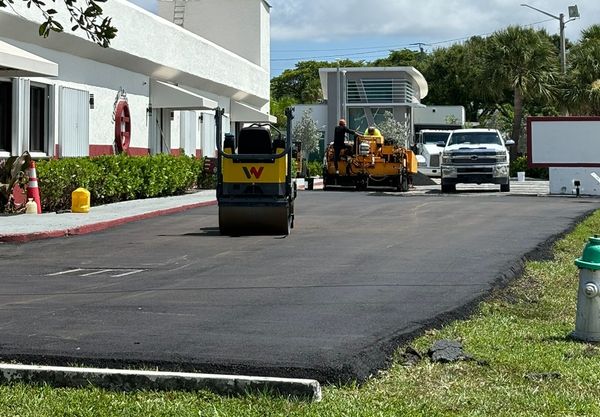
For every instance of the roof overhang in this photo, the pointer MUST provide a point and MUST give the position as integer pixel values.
(16, 62)
(241, 112)
(164, 95)
(417, 77)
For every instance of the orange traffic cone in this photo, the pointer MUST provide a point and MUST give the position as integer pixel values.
(32, 188)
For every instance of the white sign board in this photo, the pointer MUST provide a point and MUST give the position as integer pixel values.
(563, 141)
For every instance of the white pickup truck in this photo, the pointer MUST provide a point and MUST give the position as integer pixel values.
(428, 150)
(475, 156)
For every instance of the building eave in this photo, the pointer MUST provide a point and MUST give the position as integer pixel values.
(416, 76)
(151, 47)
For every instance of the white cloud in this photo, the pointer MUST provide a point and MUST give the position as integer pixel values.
(429, 20)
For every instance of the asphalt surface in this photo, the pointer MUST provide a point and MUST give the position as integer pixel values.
(360, 273)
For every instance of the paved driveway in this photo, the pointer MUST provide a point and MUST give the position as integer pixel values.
(360, 274)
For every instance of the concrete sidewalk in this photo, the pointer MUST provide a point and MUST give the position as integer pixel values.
(27, 227)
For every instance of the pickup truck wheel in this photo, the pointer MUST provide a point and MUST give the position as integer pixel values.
(448, 188)
(505, 188)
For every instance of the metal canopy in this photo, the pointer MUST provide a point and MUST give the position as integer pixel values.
(241, 112)
(17, 62)
(164, 95)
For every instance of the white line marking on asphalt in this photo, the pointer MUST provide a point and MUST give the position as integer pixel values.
(128, 273)
(96, 272)
(64, 272)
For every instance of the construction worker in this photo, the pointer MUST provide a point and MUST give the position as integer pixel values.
(373, 131)
(339, 141)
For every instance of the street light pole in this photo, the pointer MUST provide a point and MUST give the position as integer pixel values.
(563, 48)
(573, 14)
(339, 93)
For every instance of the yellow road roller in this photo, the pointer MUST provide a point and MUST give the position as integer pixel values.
(255, 191)
(370, 162)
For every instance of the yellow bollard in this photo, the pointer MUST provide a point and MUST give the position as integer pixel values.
(80, 201)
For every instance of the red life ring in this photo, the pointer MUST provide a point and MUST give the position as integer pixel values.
(122, 127)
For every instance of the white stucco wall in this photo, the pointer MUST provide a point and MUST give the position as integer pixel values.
(318, 114)
(148, 44)
(103, 81)
(148, 47)
(241, 26)
(562, 181)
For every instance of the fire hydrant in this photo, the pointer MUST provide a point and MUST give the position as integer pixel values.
(587, 323)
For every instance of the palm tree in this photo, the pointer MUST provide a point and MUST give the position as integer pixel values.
(522, 62)
(582, 90)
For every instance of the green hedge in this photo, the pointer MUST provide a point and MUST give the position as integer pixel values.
(520, 164)
(113, 178)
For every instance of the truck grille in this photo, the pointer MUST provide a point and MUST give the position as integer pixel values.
(478, 158)
(475, 170)
(434, 161)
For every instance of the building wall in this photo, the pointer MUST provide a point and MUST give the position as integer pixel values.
(562, 181)
(241, 26)
(338, 107)
(318, 113)
(442, 116)
(149, 47)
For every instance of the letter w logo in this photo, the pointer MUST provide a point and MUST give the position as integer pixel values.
(253, 172)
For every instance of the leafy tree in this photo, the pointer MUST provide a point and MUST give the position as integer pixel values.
(303, 83)
(403, 58)
(278, 107)
(582, 88)
(85, 15)
(307, 132)
(393, 130)
(450, 75)
(523, 62)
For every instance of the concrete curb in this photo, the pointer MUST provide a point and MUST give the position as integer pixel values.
(128, 380)
(95, 227)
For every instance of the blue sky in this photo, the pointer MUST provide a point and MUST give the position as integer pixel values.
(357, 29)
(367, 30)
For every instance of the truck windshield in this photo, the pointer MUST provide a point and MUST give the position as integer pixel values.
(434, 137)
(474, 138)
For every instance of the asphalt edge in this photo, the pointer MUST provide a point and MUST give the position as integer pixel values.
(132, 380)
(95, 227)
(380, 355)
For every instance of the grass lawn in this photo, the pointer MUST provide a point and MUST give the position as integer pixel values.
(527, 366)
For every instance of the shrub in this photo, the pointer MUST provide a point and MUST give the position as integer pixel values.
(205, 178)
(116, 178)
(315, 168)
(520, 164)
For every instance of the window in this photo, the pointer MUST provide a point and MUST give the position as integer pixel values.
(5, 116)
(359, 118)
(475, 138)
(374, 90)
(38, 118)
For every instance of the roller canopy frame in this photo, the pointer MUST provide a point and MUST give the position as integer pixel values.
(248, 205)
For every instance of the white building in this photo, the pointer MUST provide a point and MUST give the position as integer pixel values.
(160, 80)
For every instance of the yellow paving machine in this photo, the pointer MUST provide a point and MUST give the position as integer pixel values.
(370, 162)
(255, 191)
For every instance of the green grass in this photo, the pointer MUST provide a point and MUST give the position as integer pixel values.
(522, 332)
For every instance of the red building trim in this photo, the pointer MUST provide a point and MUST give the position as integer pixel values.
(175, 152)
(97, 150)
(138, 151)
(198, 153)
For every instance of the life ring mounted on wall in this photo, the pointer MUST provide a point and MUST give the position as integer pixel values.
(122, 126)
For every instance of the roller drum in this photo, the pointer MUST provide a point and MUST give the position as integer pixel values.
(261, 220)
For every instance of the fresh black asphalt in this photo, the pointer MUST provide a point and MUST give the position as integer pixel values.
(359, 274)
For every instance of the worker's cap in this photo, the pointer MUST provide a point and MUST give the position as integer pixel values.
(371, 130)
